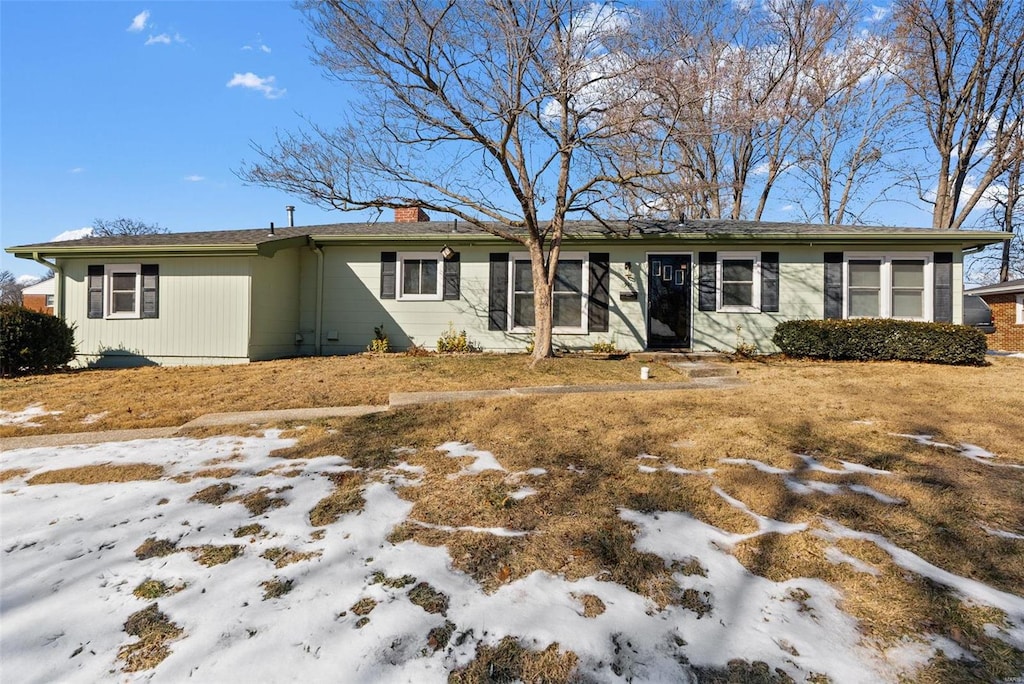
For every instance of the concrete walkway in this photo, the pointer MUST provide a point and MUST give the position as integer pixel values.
(701, 375)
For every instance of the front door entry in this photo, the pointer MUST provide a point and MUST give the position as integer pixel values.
(669, 280)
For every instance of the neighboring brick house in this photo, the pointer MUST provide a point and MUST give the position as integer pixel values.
(1007, 303)
(39, 297)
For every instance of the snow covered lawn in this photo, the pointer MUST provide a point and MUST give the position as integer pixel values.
(220, 554)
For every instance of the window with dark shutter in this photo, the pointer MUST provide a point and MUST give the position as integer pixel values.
(769, 281)
(497, 295)
(150, 291)
(943, 287)
(706, 268)
(94, 283)
(388, 271)
(597, 304)
(452, 277)
(833, 285)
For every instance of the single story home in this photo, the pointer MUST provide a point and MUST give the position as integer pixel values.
(246, 295)
(1007, 303)
(39, 296)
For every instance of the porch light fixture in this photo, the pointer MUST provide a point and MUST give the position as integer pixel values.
(447, 252)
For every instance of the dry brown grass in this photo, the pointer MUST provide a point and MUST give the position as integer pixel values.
(98, 474)
(163, 396)
(589, 446)
(211, 554)
(154, 630)
(12, 473)
(281, 556)
(510, 662)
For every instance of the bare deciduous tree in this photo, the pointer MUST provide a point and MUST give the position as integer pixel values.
(125, 226)
(964, 73)
(504, 114)
(856, 124)
(10, 289)
(738, 80)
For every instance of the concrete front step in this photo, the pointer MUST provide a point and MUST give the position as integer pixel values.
(703, 369)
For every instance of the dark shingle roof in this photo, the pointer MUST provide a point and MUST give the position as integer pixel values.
(436, 230)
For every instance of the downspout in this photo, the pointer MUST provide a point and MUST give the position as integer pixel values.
(318, 323)
(58, 281)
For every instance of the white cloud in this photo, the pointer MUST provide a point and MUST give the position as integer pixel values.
(788, 207)
(76, 234)
(139, 22)
(27, 279)
(258, 45)
(878, 13)
(77, 169)
(195, 178)
(254, 82)
(165, 39)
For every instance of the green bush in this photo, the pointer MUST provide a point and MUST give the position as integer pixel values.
(875, 339)
(452, 342)
(33, 342)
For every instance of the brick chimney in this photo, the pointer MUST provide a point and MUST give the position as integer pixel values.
(410, 215)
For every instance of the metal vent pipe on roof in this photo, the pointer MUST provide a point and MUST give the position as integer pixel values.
(271, 227)
(291, 215)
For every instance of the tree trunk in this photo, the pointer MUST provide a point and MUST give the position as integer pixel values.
(542, 286)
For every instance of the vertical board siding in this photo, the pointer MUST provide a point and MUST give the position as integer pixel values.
(204, 312)
(275, 305)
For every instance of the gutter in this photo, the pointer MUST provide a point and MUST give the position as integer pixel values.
(58, 281)
(319, 316)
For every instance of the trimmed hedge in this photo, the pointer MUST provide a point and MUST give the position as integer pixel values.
(879, 339)
(33, 342)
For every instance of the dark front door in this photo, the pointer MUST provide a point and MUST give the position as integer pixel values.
(668, 301)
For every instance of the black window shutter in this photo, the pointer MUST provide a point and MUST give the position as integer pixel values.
(706, 275)
(597, 303)
(833, 284)
(452, 277)
(94, 282)
(943, 287)
(150, 291)
(388, 274)
(769, 281)
(497, 299)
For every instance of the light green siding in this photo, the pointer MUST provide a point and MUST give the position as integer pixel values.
(204, 315)
(275, 305)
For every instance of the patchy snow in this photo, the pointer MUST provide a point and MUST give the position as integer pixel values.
(535, 472)
(835, 555)
(759, 465)
(27, 416)
(1011, 604)
(482, 460)
(522, 493)
(96, 417)
(972, 452)
(69, 569)
(1002, 533)
(496, 531)
(801, 486)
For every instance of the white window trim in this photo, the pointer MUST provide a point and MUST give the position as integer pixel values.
(108, 290)
(1020, 309)
(885, 260)
(755, 305)
(401, 258)
(585, 295)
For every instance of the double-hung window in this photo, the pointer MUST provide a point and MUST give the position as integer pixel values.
(568, 307)
(420, 276)
(889, 287)
(740, 276)
(123, 291)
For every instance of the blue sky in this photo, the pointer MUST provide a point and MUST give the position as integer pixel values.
(145, 110)
(125, 109)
